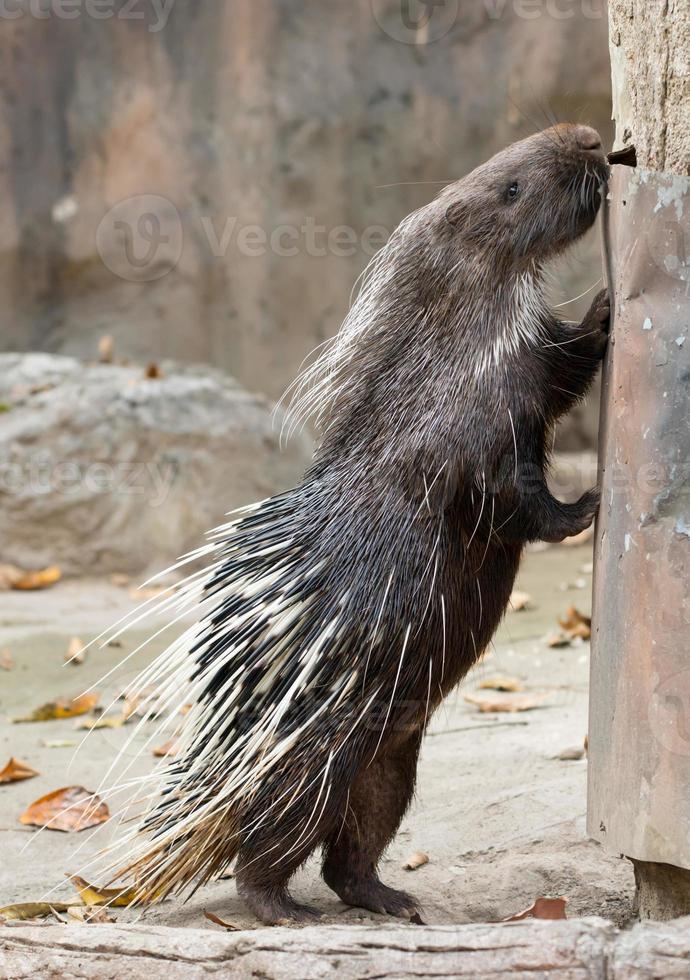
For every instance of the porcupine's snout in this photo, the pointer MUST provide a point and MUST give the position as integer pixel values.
(587, 140)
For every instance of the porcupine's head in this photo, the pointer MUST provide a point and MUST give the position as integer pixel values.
(531, 200)
(452, 275)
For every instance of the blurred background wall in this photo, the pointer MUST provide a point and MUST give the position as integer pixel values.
(202, 182)
(205, 179)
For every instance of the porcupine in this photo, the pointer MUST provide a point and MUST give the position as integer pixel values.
(334, 617)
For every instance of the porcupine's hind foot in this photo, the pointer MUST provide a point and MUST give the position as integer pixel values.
(369, 892)
(275, 905)
(376, 803)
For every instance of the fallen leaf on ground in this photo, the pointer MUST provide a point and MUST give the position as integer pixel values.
(212, 917)
(575, 624)
(506, 702)
(543, 908)
(9, 574)
(153, 371)
(120, 579)
(573, 753)
(520, 600)
(416, 860)
(70, 810)
(95, 914)
(58, 743)
(31, 910)
(6, 660)
(169, 748)
(150, 592)
(145, 703)
(106, 349)
(92, 722)
(62, 708)
(93, 895)
(38, 580)
(557, 640)
(76, 652)
(16, 770)
(500, 682)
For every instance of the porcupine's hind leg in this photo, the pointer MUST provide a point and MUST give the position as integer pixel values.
(262, 881)
(379, 796)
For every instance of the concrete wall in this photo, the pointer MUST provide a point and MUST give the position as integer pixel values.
(199, 119)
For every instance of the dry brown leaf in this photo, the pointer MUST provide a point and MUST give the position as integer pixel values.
(507, 702)
(94, 914)
(62, 708)
(16, 770)
(149, 592)
(93, 895)
(169, 748)
(92, 722)
(6, 660)
(572, 754)
(416, 860)
(212, 917)
(519, 601)
(76, 652)
(153, 371)
(555, 640)
(38, 580)
(106, 349)
(575, 624)
(23, 911)
(543, 908)
(9, 574)
(500, 682)
(70, 810)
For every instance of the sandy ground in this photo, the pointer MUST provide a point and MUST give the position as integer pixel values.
(501, 817)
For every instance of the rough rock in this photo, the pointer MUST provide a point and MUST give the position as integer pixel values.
(103, 469)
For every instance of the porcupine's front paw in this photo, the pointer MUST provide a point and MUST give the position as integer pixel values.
(369, 892)
(574, 518)
(595, 326)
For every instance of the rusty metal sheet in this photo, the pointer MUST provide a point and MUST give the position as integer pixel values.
(639, 728)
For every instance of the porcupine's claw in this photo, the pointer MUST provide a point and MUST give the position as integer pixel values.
(371, 893)
(276, 907)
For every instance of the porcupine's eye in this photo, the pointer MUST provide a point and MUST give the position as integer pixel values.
(513, 190)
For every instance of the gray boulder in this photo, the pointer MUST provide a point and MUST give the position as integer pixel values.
(103, 469)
